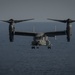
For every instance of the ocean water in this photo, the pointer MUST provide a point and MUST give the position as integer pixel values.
(17, 58)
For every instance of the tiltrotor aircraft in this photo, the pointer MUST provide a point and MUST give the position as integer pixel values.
(39, 39)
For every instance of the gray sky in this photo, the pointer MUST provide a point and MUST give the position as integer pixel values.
(38, 9)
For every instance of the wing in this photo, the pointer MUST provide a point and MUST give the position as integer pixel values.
(25, 33)
(72, 20)
(17, 21)
(56, 33)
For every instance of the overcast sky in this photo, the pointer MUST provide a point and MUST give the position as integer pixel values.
(38, 9)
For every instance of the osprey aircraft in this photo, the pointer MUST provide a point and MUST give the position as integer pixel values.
(41, 38)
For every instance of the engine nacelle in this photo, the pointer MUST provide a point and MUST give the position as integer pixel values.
(11, 33)
(68, 32)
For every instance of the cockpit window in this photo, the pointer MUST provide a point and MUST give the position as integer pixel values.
(38, 38)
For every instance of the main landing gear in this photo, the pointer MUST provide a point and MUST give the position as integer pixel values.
(33, 47)
(36, 47)
(49, 47)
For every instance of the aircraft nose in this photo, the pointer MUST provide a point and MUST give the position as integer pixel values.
(37, 41)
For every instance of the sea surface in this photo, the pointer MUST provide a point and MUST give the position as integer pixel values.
(17, 58)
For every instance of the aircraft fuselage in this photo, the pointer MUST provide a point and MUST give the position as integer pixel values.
(39, 40)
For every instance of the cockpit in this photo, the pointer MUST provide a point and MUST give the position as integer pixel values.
(38, 38)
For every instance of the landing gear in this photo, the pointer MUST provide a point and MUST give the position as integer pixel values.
(37, 47)
(49, 47)
(34, 47)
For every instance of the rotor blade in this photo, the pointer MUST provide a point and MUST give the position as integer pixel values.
(7, 21)
(17, 21)
(64, 21)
